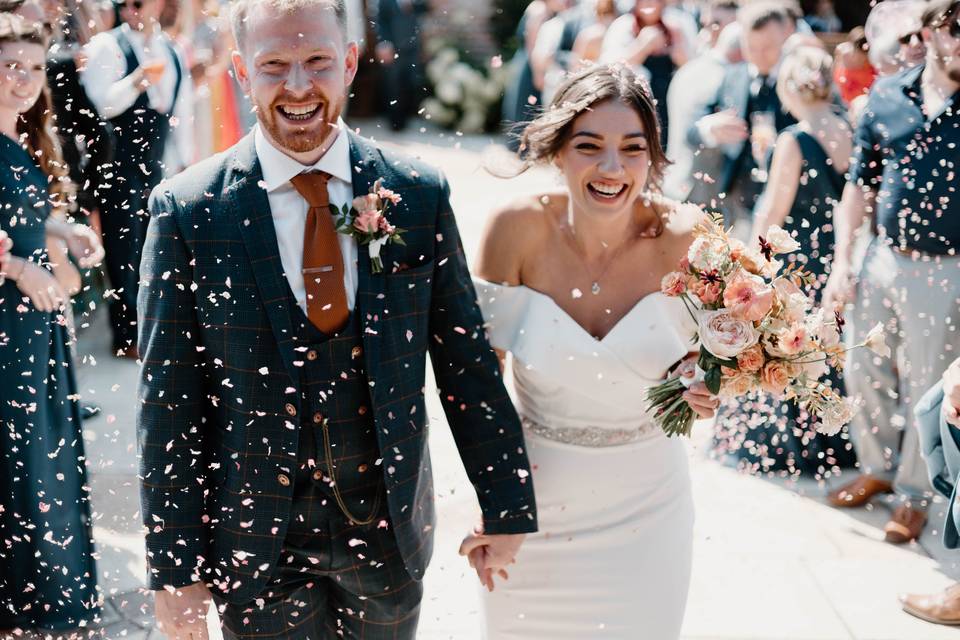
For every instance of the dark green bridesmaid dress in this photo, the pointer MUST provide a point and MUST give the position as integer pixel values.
(47, 573)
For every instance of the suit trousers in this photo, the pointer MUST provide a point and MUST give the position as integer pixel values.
(916, 300)
(333, 579)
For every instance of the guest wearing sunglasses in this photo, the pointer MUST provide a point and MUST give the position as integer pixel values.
(905, 148)
(138, 82)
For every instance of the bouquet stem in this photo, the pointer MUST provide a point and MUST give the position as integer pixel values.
(670, 411)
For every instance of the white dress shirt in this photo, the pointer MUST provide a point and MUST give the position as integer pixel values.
(112, 91)
(289, 208)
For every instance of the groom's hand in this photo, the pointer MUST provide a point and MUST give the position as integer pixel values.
(182, 613)
(491, 555)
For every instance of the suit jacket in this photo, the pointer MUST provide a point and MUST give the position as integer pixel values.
(940, 446)
(219, 407)
(734, 93)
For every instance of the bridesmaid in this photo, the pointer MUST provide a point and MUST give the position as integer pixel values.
(806, 180)
(47, 573)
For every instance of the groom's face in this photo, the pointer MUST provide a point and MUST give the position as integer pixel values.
(296, 67)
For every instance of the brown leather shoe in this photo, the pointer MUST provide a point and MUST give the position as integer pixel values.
(939, 608)
(905, 525)
(858, 492)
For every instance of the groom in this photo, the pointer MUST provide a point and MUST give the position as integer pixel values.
(281, 422)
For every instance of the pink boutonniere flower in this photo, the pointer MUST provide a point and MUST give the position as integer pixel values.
(365, 219)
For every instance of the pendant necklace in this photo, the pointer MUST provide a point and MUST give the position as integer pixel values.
(595, 280)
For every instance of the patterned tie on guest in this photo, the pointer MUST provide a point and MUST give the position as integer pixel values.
(322, 260)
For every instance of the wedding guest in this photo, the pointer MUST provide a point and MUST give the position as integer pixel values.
(139, 83)
(589, 44)
(47, 573)
(552, 55)
(938, 422)
(824, 18)
(745, 115)
(713, 19)
(853, 74)
(653, 40)
(693, 172)
(398, 51)
(910, 280)
(521, 98)
(83, 135)
(807, 171)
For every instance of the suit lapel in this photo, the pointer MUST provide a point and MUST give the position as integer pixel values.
(367, 168)
(252, 210)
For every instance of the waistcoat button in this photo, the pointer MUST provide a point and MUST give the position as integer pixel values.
(283, 479)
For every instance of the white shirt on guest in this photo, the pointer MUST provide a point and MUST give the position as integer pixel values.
(112, 91)
(289, 209)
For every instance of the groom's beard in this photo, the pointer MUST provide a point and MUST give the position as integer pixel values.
(301, 139)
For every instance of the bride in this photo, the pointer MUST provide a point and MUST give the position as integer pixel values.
(570, 287)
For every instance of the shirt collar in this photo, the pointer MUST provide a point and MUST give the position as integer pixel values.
(278, 168)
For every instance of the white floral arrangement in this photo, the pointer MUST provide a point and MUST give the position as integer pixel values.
(463, 96)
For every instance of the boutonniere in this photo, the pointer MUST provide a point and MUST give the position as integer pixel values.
(366, 221)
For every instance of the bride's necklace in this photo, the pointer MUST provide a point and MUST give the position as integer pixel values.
(595, 279)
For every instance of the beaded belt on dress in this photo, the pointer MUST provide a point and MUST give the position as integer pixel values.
(590, 436)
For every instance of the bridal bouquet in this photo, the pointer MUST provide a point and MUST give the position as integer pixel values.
(757, 330)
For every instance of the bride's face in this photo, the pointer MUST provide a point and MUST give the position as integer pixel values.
(606, 160)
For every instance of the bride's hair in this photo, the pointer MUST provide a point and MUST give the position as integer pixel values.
(544, 137)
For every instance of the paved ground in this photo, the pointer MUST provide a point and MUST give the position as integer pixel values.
(772, 561)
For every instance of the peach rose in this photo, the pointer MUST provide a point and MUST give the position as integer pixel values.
(673, 284)
(774, 377)
(748, 297)
(738, 386)
(751, 360)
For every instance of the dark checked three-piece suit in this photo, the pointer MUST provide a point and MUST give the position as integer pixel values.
(250, 416)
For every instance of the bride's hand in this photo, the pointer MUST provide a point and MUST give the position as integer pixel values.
(703, 403)
(477, 548)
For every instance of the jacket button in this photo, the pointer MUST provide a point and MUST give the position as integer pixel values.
(362, 410)
(318, 475)
(356, 352)
(317, 418)
(291, 410)
(312, 354)
(362, 468)
(283, 479)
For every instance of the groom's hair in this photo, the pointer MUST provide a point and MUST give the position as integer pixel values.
(240, 8)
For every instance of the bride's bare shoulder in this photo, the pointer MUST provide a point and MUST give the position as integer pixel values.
(513, 233)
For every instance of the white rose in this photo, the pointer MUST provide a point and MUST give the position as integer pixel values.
(724, 336)
(781, 241)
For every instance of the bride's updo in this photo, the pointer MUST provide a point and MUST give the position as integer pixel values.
(544, 137)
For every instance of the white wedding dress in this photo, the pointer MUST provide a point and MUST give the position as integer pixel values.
(612, 556)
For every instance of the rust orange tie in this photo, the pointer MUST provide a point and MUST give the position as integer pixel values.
(322, 260)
